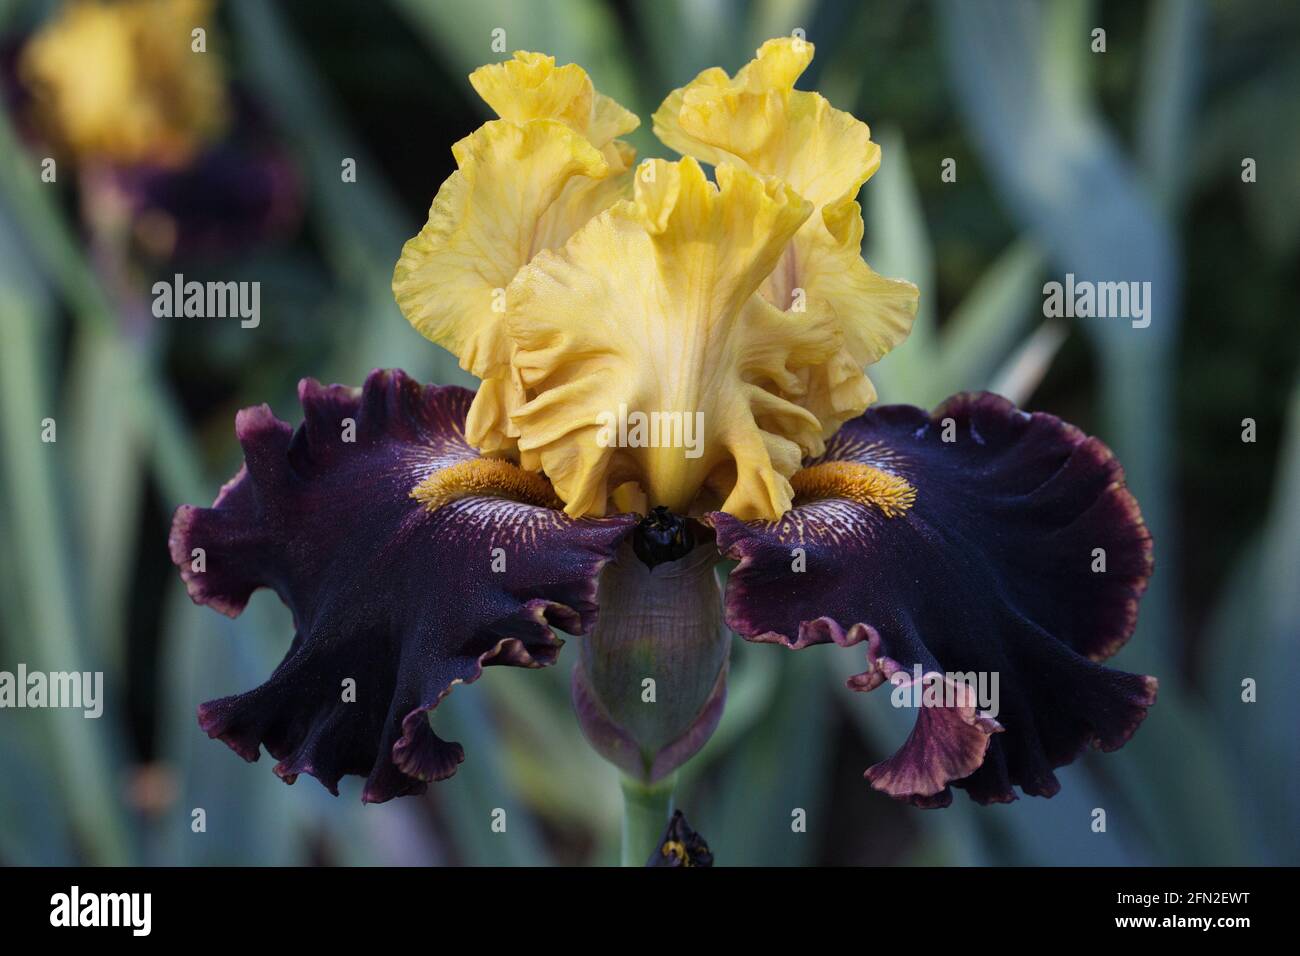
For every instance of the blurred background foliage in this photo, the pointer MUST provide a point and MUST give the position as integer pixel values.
(1118, 165)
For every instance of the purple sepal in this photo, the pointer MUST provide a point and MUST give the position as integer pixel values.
(403, 601)
(990, 570)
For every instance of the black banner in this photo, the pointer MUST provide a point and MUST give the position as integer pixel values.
(325, 905)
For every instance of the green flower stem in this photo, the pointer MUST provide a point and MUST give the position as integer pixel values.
(646, 808)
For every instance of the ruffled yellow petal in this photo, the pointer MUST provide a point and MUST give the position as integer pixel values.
(450, 280)
(585, 197)
(651, 308)
(531, 86)
(759, 121)
(524, 183)
(118, 81)
(873, 312)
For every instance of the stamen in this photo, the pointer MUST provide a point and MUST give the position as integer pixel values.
(485, 476)
(857, 482)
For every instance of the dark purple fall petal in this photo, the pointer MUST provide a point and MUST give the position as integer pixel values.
(400, 599)
(990, 570)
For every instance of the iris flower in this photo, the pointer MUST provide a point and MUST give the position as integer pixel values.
(420, 533)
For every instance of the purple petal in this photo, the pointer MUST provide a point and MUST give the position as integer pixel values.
(989, 570)
(402, 600)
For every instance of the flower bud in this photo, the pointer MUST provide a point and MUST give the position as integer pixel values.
(651, 682)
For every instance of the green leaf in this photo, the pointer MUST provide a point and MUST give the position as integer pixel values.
(546, 759)
(363, 226)
(899, 246)
(479, 792)
(1171, 64)
(989, 323)
(1027, 366)
(781, 766)
(85, 751)
(36, 830)
(105, 454)
(251, 817)
(573, 31)
(1254, 633)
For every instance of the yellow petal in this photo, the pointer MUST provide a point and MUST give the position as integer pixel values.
(609, 120)
(451, 278)
(585, 197)
(651, 308)
(486, 222)
(873, 312)
(531, 86)
(119, 81)
(524, 183)
(759, 121)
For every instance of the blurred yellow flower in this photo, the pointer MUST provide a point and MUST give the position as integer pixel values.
(121, 81)
(743, 305)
